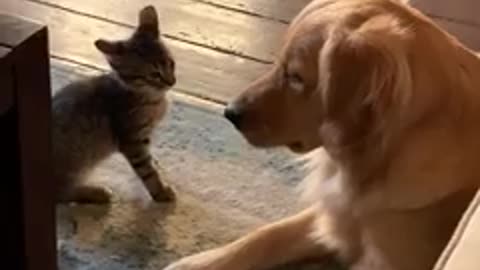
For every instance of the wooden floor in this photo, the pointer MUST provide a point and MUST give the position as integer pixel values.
(220, 45)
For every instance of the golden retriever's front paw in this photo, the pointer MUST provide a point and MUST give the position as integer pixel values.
(181, 266)
(187, 265)
(210, 260)
(190, 264)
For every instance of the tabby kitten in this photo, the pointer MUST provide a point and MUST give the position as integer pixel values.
(98, 116)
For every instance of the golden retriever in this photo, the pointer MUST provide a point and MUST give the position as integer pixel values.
(389, 106)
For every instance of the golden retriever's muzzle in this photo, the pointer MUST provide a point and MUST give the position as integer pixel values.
(234, 115)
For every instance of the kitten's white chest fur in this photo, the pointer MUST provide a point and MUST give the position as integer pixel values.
(159, 102)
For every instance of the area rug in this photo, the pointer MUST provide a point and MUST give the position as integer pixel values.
(225, 188)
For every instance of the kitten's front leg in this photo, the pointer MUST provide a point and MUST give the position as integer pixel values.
(145, 166)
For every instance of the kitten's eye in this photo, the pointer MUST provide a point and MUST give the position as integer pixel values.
(131, 77)
(156, 74)
(295, 81)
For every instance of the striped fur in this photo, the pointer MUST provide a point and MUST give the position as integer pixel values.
(115, 112)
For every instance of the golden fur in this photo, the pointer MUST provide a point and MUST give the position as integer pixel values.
(390, 104)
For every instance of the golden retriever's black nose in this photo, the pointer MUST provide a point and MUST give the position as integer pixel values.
(233, 115)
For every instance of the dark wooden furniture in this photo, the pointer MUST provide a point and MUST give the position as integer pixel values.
(27, 205)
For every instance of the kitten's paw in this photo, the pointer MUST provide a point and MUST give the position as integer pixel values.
(90, 195)
(164, 194)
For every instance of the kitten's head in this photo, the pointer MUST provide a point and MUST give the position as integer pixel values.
(143, 59)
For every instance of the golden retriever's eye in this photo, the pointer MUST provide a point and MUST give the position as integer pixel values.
(295, 82)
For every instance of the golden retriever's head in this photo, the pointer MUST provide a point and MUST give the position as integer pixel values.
(343, 73)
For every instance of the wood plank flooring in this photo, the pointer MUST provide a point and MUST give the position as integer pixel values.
(280, 10)
(192, 22)
(220, 46)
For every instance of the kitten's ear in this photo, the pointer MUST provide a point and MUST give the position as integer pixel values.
(148, 20)
(109, 47)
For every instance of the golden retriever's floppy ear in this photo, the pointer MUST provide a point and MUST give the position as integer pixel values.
(365, 76)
